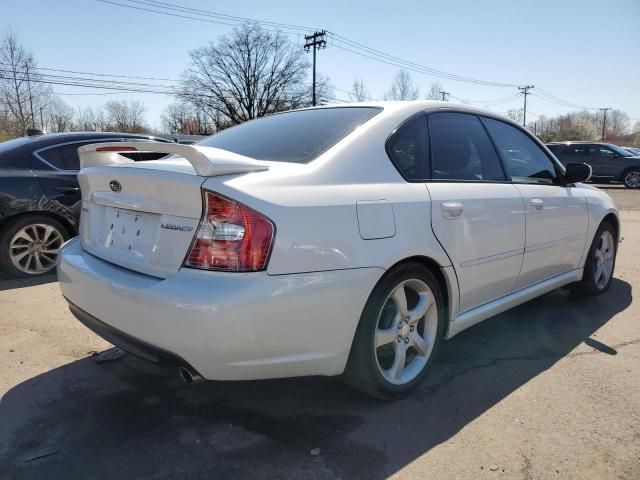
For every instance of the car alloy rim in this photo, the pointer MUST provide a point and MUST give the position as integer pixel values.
(406, 331)
(34, 248)
(632, 179)
(604, 256)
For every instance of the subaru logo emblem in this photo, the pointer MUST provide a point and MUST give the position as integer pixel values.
(115, 186)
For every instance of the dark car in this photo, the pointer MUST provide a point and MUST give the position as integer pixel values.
(40, 196)
(608, 162)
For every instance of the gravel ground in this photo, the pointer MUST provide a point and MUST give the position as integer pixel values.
(547, 390)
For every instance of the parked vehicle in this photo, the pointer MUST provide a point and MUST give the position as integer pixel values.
(40, 197)
(336, 240)
(609, 162)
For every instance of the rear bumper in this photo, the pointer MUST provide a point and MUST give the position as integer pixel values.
(226, 326)
(126, 342)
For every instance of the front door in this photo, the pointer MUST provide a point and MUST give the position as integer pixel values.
(556, 215)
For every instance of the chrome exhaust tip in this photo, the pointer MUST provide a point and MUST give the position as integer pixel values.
(189, 376)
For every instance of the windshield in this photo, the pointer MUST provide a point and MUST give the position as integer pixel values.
(298, 136)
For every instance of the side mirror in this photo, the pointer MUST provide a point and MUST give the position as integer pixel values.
(577, 172)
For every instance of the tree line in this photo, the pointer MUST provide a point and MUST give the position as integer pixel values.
(246, 74)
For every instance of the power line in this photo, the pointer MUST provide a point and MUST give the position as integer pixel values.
(336, 40)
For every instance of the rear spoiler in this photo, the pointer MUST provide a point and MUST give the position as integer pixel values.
(206, 161)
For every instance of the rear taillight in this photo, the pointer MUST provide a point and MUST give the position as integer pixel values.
(230, 237)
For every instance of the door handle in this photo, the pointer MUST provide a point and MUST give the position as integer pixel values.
(537, 204)
(452, 210)
(67, 189)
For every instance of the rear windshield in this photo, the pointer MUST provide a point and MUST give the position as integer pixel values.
(298, 136)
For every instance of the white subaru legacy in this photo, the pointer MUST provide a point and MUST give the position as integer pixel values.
(340, 240)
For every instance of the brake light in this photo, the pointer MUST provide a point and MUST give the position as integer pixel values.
(116, 149)
(230, 237)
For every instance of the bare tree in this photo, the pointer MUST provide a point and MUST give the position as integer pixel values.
(435, 92)
(248, 74)
(359, 92)
(20, 91)
(181, 117)
(618, 123)
(126, 116)
(516, 114)
(402, 88)
(60, 116)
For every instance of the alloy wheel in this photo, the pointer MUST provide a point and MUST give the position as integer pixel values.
(604, 258)
(34, 248)
(406, 331)
(632, 179)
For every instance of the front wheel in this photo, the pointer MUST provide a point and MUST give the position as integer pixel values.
(399, 333)
(631, 178)
(601, 261)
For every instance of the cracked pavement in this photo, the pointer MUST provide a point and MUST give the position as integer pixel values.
(546, 390)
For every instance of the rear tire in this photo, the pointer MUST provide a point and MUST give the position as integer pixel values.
(29, 246)
(399, 333)
(600, 264)
(631, 178)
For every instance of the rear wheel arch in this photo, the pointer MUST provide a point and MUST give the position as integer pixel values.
(69, 227)
(436, 269)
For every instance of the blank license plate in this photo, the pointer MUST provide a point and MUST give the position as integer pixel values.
(125, 230)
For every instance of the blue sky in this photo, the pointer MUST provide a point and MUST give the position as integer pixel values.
(585, 52)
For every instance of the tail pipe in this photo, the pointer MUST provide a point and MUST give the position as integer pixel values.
(189, 376)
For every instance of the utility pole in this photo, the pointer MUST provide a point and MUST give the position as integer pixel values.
(443, 95)
(525, 91)
(33, 118)
(604, 119)
(315, 41)
(41, 119)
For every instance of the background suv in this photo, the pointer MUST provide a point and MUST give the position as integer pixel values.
(40, 196)
(609, 162)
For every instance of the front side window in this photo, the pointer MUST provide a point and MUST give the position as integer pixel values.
(609, 152)
(524, 160)
(461, 149)
(298, 136)
(409, 149)
(576, 150)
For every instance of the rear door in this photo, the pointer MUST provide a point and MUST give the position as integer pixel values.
(56, 168)
(556, 215)
(577, 153)
(476, 214)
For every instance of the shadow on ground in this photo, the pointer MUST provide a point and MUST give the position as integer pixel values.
(126, 419)
(7, 283)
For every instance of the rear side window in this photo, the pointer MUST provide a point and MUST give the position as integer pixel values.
(63, 158)
(298, 136)
(409, 149)
(525, 161)
(576, 150)
(461, 149)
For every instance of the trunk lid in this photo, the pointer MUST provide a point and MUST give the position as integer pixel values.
(139, 218)
(143, 215)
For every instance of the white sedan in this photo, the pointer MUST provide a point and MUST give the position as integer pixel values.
(340, 240)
